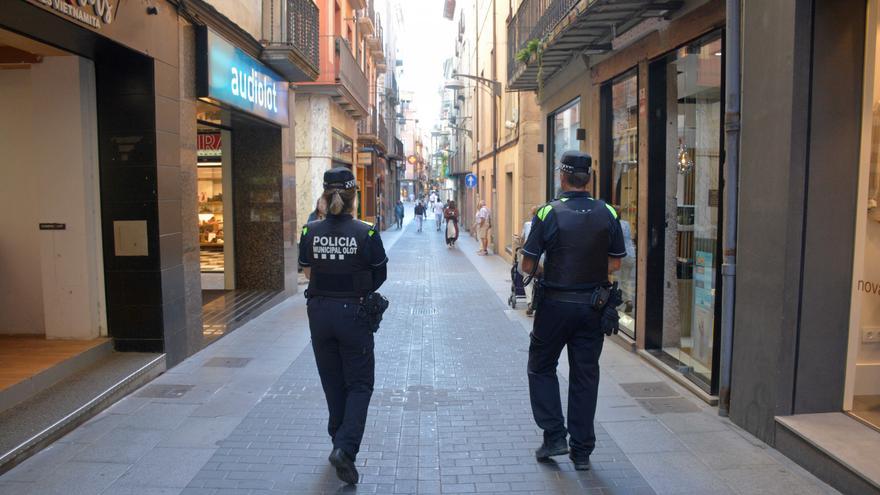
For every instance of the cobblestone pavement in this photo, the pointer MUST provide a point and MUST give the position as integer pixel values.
(450, 412)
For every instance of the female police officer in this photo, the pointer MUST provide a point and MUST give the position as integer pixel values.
(345, 262)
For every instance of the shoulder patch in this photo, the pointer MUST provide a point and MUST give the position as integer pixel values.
(544, 211)
(305, 230)
(563, 199)
(612, 210)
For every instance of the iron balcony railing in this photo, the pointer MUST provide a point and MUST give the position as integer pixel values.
(373, 128)
(383, 132)
(302, 29)
(367, 126)
(533, 20)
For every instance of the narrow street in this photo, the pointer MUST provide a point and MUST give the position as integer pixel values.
(450, 412)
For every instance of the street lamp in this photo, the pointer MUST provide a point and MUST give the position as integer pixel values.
(456, 85)
(495, 86)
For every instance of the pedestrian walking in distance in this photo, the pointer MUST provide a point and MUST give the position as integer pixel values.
(345, 262)
(582, 242)
(398, 213)
(483, 223)
(420, 214)
(438, 213)
(451, 215)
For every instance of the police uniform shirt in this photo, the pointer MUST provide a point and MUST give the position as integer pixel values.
(543, 236)
(341, 253)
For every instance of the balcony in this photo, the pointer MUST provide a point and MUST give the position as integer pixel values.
(341, 78)
(376, 44)
(564, 29)
(372, 130)
(366, 19)
(296, 55)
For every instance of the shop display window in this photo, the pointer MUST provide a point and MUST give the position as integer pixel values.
(620, 180)
(694, 110)
(210, 201)
(863, 396)
(564, 124)
(210, 189)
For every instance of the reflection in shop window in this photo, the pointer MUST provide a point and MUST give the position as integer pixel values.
(621, 188)
(693, 168)
(565, 123)
(865, 315)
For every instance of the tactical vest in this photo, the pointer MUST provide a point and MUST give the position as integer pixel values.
(339, 267)
(579, 257)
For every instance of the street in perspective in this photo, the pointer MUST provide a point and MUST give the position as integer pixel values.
(263, 247)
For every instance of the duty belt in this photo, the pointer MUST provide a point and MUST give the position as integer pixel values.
(581, 297)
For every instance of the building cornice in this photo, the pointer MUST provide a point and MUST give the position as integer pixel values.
(201, 13)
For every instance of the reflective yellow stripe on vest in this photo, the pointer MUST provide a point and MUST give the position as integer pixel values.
(611, 209)
(544, 211)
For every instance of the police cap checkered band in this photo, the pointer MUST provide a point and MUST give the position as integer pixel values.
(574, 162)
(339, 178)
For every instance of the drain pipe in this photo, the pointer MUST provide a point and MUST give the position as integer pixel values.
(731, 191)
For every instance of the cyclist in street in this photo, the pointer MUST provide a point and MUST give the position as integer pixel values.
(345, 262)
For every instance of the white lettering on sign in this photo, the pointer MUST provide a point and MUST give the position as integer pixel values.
(101, 10)
(256, 88)
(333, 248)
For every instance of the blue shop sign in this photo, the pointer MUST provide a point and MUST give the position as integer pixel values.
(230, 76)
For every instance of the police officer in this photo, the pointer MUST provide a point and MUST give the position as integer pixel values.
(582, 242)
(345, 262)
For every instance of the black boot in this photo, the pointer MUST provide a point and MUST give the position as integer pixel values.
(344, 465)
(581, 462)
(551, 449)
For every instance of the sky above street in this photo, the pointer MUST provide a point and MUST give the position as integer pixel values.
(426, 40)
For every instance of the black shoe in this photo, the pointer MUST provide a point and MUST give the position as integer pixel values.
(581, 463)
(345, 469)
(551, 449)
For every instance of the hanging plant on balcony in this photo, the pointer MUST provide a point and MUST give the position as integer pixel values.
(524, 56)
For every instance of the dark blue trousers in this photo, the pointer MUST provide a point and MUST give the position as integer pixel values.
(577, 326)
(343, 345)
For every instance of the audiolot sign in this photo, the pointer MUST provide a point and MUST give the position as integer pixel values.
(230, 76)
(94, 13)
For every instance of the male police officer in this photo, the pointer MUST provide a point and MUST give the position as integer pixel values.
(583, 242)
(346, 263)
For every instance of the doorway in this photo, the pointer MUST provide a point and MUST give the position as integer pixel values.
(52, 299)
(685, 146)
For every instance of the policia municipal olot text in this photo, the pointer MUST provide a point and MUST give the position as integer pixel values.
(345, 262)
(582, 243)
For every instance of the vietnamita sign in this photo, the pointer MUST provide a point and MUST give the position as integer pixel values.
(94, 13)
(229, 76)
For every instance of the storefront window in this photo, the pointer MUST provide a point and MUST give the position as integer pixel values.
(620, 180)
(692, 200)
(563, 132)
(343, 149)
(210, 200)
(864, 398)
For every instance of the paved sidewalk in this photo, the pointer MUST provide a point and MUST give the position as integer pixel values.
(450, 413)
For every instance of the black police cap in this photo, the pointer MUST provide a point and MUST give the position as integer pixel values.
(339, 178)
(575, 162)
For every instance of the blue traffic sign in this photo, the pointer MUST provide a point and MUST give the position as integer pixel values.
(470, 180)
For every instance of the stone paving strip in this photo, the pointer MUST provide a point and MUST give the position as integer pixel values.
(450, 412)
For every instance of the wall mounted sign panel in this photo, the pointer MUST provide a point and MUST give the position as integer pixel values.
(229, 76)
